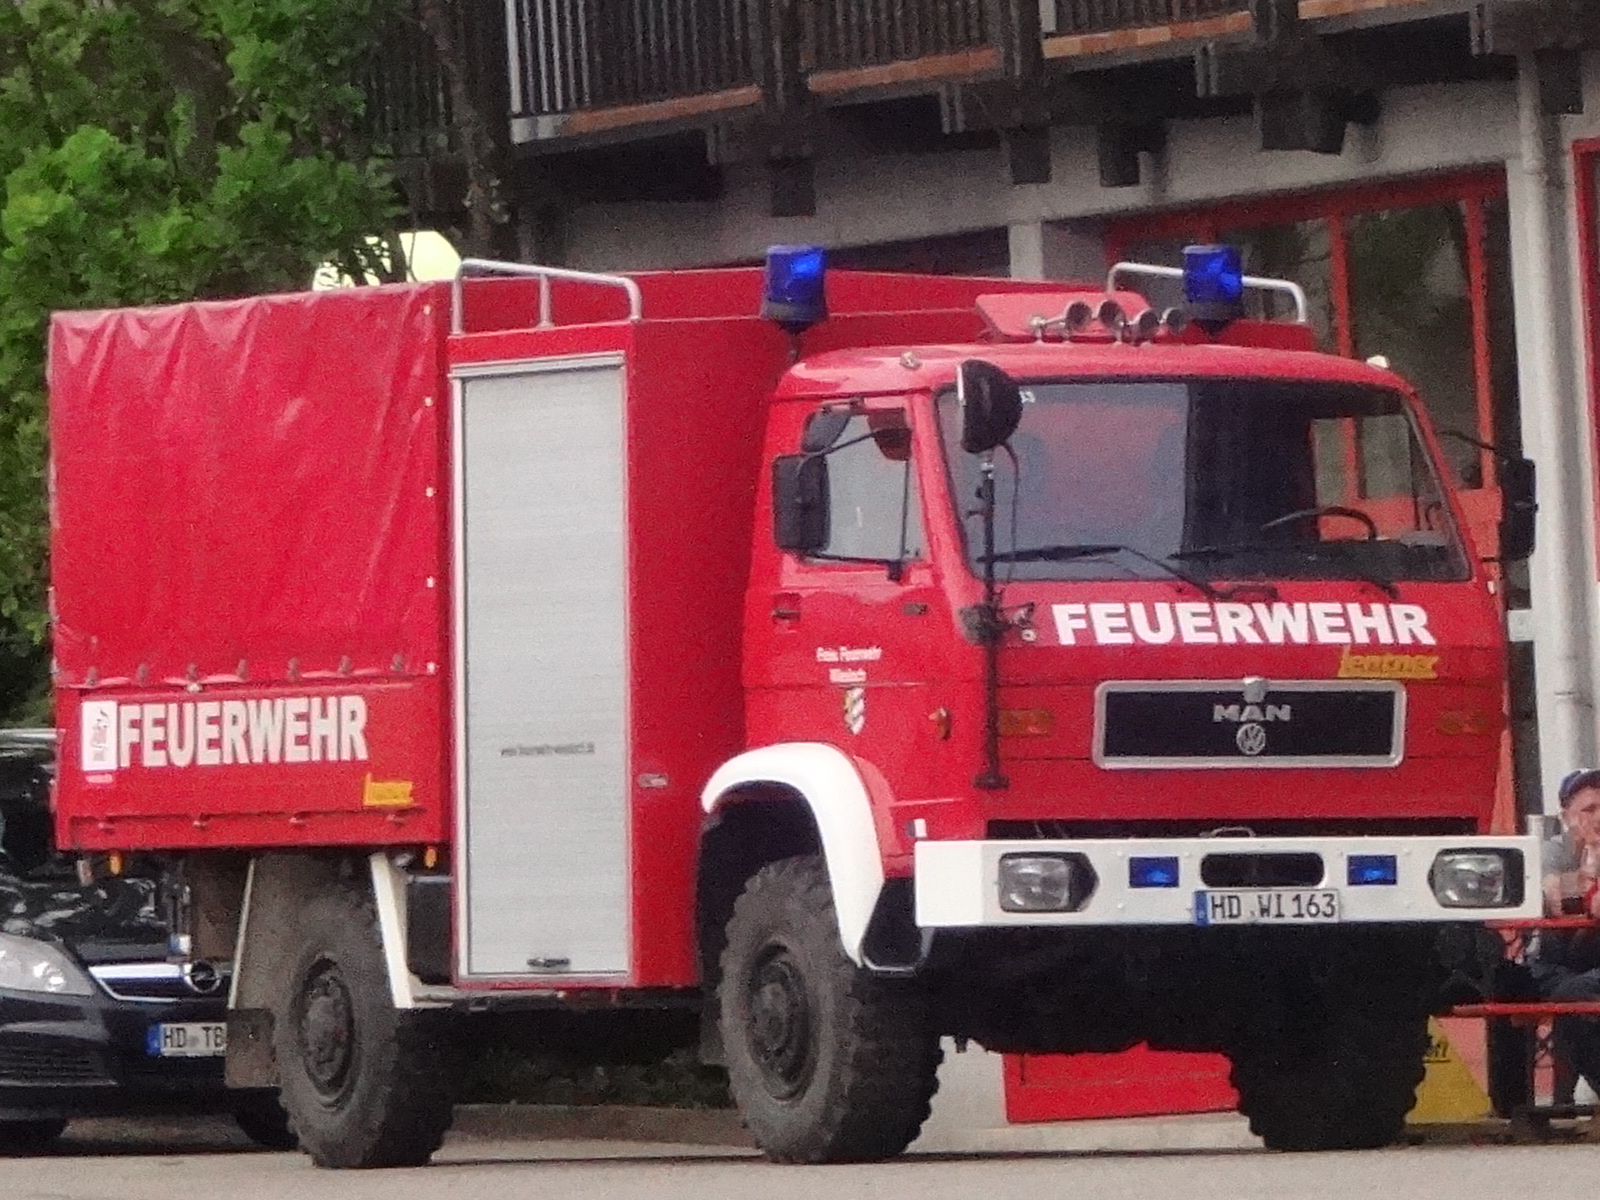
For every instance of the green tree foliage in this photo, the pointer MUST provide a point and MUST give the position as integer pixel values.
(151, 151)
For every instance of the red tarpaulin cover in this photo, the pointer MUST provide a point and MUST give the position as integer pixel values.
(253, 482)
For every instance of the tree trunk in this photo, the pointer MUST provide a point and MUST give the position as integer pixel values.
(480, 134)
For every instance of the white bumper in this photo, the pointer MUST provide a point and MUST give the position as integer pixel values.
(957, 882)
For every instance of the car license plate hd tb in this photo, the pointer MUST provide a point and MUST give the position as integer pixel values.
(190, 1039)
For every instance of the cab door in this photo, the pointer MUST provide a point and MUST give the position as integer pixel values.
(847, 647)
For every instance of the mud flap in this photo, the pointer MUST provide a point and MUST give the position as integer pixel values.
(250, 1062)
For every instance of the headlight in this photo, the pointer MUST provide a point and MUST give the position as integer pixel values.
(1477, 878)
(27, 965)
(1044, 882)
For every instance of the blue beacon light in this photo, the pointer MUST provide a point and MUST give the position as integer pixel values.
(1213, 283)
(794, 292)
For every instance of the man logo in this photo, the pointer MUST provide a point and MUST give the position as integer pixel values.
(1251, 739)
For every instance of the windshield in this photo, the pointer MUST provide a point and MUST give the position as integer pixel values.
(1236, 479)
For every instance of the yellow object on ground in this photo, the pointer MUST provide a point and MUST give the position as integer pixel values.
(1448, 1091)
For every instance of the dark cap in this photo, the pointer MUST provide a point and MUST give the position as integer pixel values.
(1575, 781)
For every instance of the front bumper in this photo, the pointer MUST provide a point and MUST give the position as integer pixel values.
(957, 883)
(69, 1056)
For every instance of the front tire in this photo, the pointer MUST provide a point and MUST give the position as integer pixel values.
(1338, 1064)
(365, 1084)
(826, 1062)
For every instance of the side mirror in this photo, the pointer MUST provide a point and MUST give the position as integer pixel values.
(800, 518)
(1519, 504)
(824, 429)
(991, 405)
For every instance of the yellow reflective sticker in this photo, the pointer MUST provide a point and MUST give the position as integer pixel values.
(1388, 666)
(386, 793)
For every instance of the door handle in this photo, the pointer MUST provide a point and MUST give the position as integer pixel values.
(786, 606)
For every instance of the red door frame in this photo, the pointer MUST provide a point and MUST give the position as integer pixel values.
(1471, 189)
(1585, 163)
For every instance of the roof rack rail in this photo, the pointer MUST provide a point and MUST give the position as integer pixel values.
(1302, 310)
(485, 266)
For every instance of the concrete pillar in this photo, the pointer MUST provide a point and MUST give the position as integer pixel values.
(1071, 250)
(1555, 426)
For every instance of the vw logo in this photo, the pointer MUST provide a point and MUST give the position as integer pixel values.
(1251, 739)
(203, 978)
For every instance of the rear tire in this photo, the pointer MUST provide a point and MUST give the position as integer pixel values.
(24, 1137)
(826, 1062)
(1339, 1063)
(365, 1084)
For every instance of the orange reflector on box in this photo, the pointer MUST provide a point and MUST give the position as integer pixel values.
(1026, 722)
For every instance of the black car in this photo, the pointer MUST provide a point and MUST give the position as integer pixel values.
(95, 1020)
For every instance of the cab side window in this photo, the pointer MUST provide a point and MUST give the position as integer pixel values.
(873, 507)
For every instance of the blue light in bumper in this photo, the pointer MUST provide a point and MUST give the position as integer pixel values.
(1153, 872)
(1372, 870)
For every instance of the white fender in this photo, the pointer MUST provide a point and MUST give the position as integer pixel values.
(833, 789)
(389, 896)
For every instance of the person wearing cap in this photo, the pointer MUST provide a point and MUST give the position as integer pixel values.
(1566, 963)
(1571, 860)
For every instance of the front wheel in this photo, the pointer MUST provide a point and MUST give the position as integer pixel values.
(1342, 1052)
(826, 1062)
(365, 1084)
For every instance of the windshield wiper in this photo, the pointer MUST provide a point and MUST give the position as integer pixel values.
(1310, 549)
(1225, 550)
(1071, 553)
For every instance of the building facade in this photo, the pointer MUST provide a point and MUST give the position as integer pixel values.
(1426, 169)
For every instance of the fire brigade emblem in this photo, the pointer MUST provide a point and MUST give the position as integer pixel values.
(1251, 739)
(855, 709)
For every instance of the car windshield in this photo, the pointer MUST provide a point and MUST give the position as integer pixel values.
(1229, 478)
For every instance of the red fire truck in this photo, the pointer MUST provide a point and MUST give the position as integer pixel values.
(807, 666)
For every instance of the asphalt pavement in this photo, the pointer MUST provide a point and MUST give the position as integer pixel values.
(116, 1160)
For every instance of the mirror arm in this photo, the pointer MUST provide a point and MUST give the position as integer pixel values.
(991, 779)
(1499, 452)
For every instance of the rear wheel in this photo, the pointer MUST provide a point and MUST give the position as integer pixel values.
(1340, 1052)
(365, 1084)
(826, 1062)
(20, 1137)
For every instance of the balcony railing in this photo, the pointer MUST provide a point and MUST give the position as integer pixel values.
(408, 112)
(582, 66)
(844, 35)
(570, 55)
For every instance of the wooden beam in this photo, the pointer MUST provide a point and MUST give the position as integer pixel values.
(961, 65)
(682, 108)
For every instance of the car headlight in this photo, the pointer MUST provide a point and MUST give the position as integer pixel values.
(27, 965)
(1477, 878)
(1045, 882)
